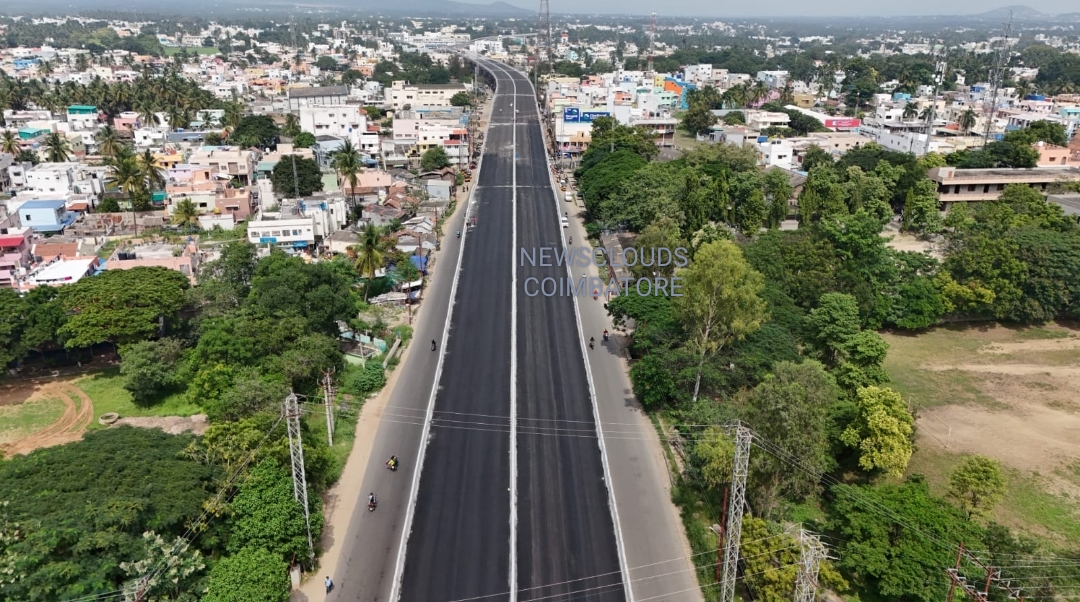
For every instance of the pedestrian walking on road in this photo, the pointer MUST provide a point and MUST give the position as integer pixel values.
(329, 584)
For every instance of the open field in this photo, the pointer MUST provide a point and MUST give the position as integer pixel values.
(44, 412)
(1007, 393)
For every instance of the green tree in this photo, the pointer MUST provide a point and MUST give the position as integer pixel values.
(149, 368)
(249, 394)
(347, 163)
(771, 560)
(655, 243)
(698, 120)
(120, 306)
(434, 158)
(254, 130)
(713, 454)
(174, 568)
(57, 148)
(250, 575)
(304, 140)
(831, 325)
(721, 303)
(978, 484)
(461, 99)
(109, 142)
(185, 212)
(10, 144)
(922, 210)
(308, 178)
(882, 431)
(790, 410)
(369, 255)
(83, 509)
(366, 381)
(885, 531)
(266, 516)
(778, 191)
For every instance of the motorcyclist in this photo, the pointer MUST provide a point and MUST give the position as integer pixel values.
(371, 499)
(605, 334)
(570, 241)
(433, 344)
(591, 342)
(392, 463)
(459, 233)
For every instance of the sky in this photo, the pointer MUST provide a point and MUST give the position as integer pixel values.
(791, 8)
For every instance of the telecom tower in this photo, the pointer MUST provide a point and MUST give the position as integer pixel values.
(544, 45)
(652, 35)
(999, 67)
(736, 503)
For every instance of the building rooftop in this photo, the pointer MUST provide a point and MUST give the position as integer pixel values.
(65, 270)
(318, 91)
(54, 205)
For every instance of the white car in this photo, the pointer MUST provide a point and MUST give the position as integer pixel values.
(565, 223)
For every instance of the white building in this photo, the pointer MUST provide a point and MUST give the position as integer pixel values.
(343, 121)
(400, 95)
(50, 178)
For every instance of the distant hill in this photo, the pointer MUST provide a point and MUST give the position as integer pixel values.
(434, 8)
(1018, 11)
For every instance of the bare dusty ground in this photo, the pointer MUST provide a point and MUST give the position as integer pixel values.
(174, 425)
(907, 242)
(78, 411)
(1034, 424)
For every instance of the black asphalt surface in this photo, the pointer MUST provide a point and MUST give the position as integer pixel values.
(459, 545)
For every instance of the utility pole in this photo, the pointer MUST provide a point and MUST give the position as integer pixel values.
(296, 455)
(736, 503)
(999, 67)
(328, 398)
(958, 580)
(812, 553)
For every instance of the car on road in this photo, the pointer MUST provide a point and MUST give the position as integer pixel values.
(565, 222)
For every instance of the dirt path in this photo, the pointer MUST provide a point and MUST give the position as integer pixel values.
(1063, 344)
(78, 412)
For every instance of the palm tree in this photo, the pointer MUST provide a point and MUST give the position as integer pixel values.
(911, 110)
(9, 143)
(346, 162)
(369, 255)
(45, 68)
(292, 125)
(109, 141)
(57, 148)
(153, 175)
(178, 117)
(925, 115)
(147, 114)
(126, 176)
(967, 120)
(787, 94)
(185, 212)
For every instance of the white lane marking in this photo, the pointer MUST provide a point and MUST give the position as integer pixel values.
(513, 371)
(595, 406)
(410, 512)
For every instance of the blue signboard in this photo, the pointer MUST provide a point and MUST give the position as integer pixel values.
(576, 115)
(267, 240)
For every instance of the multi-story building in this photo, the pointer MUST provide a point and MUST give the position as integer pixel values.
(319, 95)
(227, 162)
(82, 117)
(54, 179)
(967, 185)
(343, 121)
(401, 95)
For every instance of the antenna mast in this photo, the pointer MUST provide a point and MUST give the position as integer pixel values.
(999, 68)
(652, 35)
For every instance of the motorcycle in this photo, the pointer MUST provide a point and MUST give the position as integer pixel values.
(433, 345)
(371, 505)
(459, 233)
(392, 465)
(606, 335)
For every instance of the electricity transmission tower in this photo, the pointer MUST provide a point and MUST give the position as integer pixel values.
(296, 454)
(736, 503)
(993, 576)
(328, 399)
(812, 553)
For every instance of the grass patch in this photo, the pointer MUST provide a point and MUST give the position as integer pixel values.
(684, 141)
(1026, 505)
(24, 419)
(106, 390)
(107, 249)
(1052, 516)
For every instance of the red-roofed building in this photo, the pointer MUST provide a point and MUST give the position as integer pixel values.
(14, 254)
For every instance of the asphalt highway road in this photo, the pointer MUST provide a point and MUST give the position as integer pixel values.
(512, 493)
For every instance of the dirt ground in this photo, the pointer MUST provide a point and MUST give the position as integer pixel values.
(78, 412)
(907, 242)
(173, 425)
(1033, 422)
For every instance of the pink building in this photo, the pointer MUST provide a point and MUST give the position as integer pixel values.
(14, 254)
(1051, 154)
